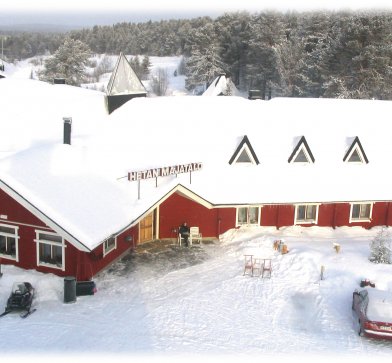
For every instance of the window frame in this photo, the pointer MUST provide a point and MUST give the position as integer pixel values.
(61, 244)
(247, 215)
(16, 237)
(306, 221)
(359, 219)
(105, 248)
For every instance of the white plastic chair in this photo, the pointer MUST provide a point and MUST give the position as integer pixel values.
(195, 235)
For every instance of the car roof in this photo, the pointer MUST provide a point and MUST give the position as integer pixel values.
(380, 305)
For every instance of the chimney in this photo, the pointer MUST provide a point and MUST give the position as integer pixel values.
(67, 130)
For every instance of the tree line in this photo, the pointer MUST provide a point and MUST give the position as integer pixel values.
(311, 54)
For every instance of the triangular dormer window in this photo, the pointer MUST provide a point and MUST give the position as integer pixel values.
(244, 154)
(301, 153)
(355, 153)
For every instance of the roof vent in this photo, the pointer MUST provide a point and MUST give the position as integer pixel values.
(67, 130)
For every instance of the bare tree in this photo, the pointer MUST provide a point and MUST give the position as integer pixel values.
(160, 82)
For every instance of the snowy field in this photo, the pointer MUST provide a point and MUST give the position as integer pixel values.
(173, 301)
(27, 68)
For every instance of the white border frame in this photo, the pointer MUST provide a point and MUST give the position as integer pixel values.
(16, 236)
(359, 220)
(315, 221)
(63, 247)
(105, 251)
(247, 224)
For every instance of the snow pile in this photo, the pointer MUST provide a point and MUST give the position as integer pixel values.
(150, 307)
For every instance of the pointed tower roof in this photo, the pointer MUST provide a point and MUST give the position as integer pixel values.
(244, 153)
(221, 86)
(355, 153)
(301, 153)
(124, 80)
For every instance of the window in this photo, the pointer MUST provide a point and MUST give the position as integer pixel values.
(356, 154)
(301, 153)
(9, 242)
(248, 215)
(244, 157)
(301, 157)
(355, 157)
(50, 250)
(361, 212)
(306, 213)
(109, 245)
(244, 154)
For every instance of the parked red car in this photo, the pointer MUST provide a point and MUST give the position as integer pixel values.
(373, 309)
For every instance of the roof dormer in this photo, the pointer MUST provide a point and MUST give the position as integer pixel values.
(355, 153)
(302, 153)
(244, 154)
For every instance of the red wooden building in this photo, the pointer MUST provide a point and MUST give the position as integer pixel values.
(73, 209)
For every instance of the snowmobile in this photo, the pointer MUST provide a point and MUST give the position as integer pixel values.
(20, 299)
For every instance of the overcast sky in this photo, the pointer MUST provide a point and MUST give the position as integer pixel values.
(90, 12)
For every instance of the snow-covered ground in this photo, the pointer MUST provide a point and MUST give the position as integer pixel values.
(175, 301)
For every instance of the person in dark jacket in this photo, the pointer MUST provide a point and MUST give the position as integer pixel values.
(184, 232)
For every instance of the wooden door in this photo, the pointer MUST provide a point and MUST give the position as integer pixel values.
(146, 229)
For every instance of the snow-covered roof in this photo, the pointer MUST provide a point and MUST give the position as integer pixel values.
(124, 80)
(380, 306)
(83, 187)
(222, 85)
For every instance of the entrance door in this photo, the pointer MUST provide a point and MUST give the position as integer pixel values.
(146, 228)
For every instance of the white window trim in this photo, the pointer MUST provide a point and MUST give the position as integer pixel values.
(16, 236)
(246, 148)
(62, 244)
(105, 251)
(359, 220)
(247, 224)
(356, 148)
(303, 148)
(313, 221)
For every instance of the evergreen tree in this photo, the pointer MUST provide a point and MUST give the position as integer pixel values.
(205, 62)
(380, 247)
(267, 32)
(145, 67)
(68, 62)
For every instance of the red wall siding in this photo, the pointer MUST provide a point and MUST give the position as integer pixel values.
(16, 212)
(95, 261)
(177, 209)
(172, 212)
(80, 264)
(226, 219)
(326, 215)
(269, 215)
(285, 216)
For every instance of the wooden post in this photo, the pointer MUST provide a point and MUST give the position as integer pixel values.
(322, 272)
